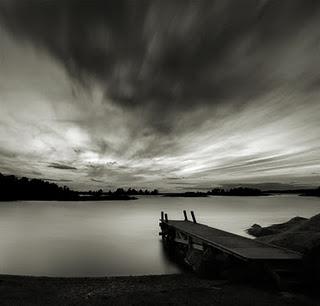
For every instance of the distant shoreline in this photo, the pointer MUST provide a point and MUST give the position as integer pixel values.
(13, 188)
(131, 198)
(182, 195)
(84, 199)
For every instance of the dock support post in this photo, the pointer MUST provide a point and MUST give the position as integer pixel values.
(162, 216)
(193, 217)
(189, 243)
(166, 217)
(185, 215)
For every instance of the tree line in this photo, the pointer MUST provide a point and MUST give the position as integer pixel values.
(14, 188)
(122, 191)
(237, 191)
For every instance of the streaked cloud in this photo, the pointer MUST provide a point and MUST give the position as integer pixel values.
(172, 94)
(61, 166)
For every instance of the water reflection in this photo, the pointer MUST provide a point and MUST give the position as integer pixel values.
(120, 238)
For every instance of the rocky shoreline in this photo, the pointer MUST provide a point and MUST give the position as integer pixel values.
(180, 289)
(298, 234)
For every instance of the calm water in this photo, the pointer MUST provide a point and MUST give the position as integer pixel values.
(120, 238)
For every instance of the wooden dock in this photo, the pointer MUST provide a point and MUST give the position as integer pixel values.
(242, 247)
(190, 238)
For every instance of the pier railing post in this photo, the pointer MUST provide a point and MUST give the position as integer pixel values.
(193, 217)
(185, 215)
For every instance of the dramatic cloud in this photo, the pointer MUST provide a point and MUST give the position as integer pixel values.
(178, 94)
(61, 166)
(172, 56)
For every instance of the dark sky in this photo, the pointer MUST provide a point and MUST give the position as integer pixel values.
(172, 94)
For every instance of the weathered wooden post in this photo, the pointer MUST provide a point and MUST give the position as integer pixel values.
(162, 216)
(185, 216)
(193, 217)
(190, 242)
(166, 217)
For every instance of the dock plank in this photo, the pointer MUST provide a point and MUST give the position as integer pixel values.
(241, 246)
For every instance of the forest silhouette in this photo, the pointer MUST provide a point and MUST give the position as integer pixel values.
(14, 188)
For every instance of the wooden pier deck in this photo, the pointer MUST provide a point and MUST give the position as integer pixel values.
(217, 252)
(233, 244)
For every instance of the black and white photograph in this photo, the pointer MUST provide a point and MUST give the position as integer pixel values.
(160, 152)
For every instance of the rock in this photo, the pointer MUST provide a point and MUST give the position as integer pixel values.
(298, 234)
(257, 231)
(300, 241)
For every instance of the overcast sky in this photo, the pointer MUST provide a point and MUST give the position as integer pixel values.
(173, 95)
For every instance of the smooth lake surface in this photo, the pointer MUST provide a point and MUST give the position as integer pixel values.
(121, 237)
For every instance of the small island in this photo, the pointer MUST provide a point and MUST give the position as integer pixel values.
(243, 192)
(311, 192)
(238, 191)
(191, 194)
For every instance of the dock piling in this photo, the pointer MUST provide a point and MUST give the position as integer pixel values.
(166, 217)
(185, 215)
(193, 217)
(162, 216)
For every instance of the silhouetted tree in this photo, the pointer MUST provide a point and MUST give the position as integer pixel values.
(13, 188)
(120, 191)
(155, 192)
(239, 191)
